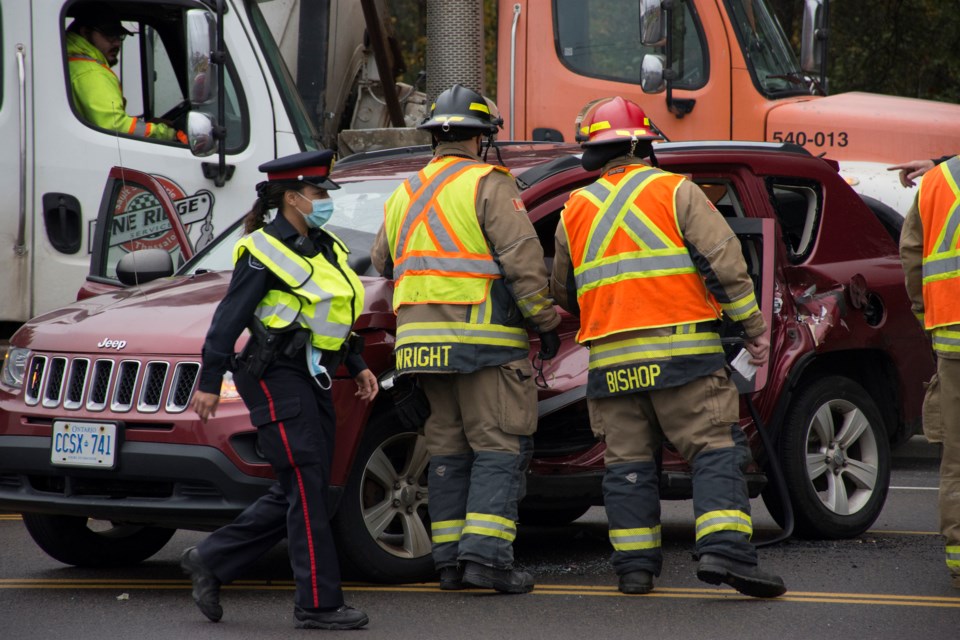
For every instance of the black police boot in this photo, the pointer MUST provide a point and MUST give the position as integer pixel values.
(745, 578)
(343, 617)
(636, 582)
(206, 587)
(451, 578)
(502, 580)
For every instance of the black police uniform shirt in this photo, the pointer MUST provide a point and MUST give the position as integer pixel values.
(250, 283)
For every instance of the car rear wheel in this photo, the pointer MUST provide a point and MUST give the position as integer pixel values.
(83, 542)
(382, 525)
(835, 455)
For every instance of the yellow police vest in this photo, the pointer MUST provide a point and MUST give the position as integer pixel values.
(439, 252)
(324, 298)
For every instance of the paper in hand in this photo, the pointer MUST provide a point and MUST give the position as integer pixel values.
(742, 365)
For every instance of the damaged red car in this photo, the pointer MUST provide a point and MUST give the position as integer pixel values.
(844, 381)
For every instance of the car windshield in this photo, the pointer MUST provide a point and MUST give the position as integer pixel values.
(767, 50)
(357, 216)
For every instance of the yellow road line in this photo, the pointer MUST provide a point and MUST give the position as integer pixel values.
(543, 590)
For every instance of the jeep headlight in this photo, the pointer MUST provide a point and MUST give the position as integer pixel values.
(14, 366)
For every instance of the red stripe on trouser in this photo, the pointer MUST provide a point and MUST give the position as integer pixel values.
(303, 495)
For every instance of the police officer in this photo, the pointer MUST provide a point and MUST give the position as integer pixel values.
(469, 276)
(293, 288)
(929, 252)
(93, 46)
(649, 264)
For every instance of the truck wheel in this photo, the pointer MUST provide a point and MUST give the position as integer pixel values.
(550, 516)
(382, 524)
(80, 542)
(835, 455)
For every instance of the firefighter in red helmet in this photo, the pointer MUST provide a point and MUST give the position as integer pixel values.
(650, 267)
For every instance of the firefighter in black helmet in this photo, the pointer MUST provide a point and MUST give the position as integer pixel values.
(470, 279)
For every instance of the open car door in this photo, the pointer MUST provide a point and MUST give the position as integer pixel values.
(136, 214)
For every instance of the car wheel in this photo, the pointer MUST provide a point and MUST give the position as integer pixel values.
(382, 525)
(550, 516)
(835, 455)
(83, 542)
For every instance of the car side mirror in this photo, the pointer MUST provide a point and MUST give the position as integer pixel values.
(200, 134)
(653, 23)
(812, 39)
(202, 73)
(144, 265)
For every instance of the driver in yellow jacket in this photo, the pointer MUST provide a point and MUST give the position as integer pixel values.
(93, 46)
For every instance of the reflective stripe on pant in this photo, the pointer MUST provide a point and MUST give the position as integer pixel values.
(448, 482)
(491, 520)
(631, 495)
(721, 503)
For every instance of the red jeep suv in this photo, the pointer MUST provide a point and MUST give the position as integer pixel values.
(102, 457)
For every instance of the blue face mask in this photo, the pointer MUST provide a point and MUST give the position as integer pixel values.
(320, 212)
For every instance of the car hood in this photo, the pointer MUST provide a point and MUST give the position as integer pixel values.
(867, 126)
(170, 316)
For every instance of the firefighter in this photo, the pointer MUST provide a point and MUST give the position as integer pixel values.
(293, 288)
(93, 44)
(910, 171)
(469, 277)
(930, 252)
(648, 264)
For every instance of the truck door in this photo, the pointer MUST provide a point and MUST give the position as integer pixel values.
(15, 176)
(73, 156)
(569, 52)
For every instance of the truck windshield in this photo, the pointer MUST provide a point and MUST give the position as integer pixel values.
(303, 125)
(768, 53)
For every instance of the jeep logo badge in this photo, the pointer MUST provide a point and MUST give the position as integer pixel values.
(107, 343)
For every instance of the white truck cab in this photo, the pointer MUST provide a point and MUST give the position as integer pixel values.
(53, 163)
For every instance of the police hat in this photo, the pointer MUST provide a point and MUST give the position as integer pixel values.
(101, 17)
(312, 167)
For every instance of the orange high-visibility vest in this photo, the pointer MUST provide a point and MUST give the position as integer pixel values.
(630, 263)
(939, 205)
(439, 252)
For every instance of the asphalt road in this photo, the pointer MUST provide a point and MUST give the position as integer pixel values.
(890, 583)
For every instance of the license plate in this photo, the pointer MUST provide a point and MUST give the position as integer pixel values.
(84, 444)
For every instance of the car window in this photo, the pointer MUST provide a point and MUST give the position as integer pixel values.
(798, 206)
(136, 221)
(357, 207)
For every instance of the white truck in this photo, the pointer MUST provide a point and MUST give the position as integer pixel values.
(53, 163)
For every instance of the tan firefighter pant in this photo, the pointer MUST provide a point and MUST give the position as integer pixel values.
(941, 423)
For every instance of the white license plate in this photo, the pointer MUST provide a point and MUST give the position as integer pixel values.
(84, 444)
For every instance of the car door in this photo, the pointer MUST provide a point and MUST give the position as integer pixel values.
(136, 213)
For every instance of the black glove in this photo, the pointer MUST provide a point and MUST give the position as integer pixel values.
(549, 344)
(409, 400)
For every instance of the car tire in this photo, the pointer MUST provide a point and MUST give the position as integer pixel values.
(835, 455)
(382, 524)
(71, 540)
(550, 516)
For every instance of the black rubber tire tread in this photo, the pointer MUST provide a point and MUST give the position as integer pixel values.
(69, 540)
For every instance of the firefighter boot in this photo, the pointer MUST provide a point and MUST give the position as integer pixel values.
(451, 578)
(636, 582)
(502, 580)
(745, 578)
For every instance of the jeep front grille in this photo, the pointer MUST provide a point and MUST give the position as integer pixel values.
(76, 383)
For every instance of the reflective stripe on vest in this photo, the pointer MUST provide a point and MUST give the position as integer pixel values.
(635, 539)
(953, 558)
(727, 520)
(613, 353)
(630, 263)
(446, 531)
(939, 205)
(486, 524)
(439, 252)
(323, 298)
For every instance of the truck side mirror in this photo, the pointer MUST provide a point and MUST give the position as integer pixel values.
(202, 74)
(652, 77)
(144, 265)
(653, 23)
(813, 41)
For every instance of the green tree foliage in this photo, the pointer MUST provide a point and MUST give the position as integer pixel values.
(895, 47)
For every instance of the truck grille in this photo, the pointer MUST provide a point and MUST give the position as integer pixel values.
(77, 383)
